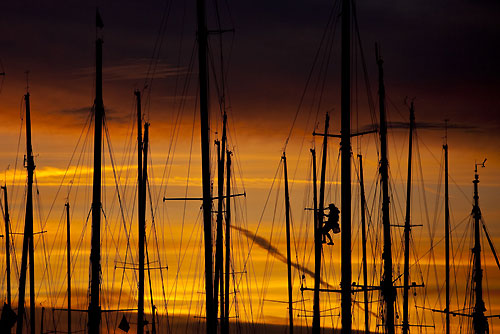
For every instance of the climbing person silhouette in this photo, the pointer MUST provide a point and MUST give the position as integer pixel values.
(332, 224)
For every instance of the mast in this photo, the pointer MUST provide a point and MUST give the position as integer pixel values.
(28, 234)
(447, 236)
(142, 235)
(288, 252)
(388, 292)
(228, 241)
(219, 252)
(317, 237)
(317, 231)
(363, 242)
(479, 321)
(345, 187)
(7, 243)
(407, 230)
(95, 252)
(68, 263)
(205, 162)
(141, 216)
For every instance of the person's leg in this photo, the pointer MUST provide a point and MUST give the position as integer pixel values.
(330, 238)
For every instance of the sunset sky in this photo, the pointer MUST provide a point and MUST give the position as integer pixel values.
(443, 55)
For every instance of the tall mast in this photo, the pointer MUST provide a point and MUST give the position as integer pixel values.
(406, 273)
(7, 243)
(479, 321)
(219, 252)
(205, 163)
(388, 292)
(288, 253)
(142, 235)
(317, 248)
(28, 234)
(228, 242)
(68, 263)
(447, 236)
(141, 216)
(317, 232)
(345, 147)
(95, 252)
(363, 242)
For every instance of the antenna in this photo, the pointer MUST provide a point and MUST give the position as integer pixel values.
(482, 164)
(446, 131)
(27, 80)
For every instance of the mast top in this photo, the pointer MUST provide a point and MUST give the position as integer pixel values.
(479, 164)
(27, 82)
(378, 56)
(445, 132)
(99, 24)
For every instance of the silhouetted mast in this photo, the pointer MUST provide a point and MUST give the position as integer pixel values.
(7, 243)
(142, 235)
(95, 252)
(447, 237)
(141, 216)
(345, 187)
(387, 287)
(205, 163)
(288, 252)
(317, 248)
(68, 263)
(407, 228)
(479, 320)
(363, 242)
(228, 242)
(219, 251)
(317, 232)
(28, 234)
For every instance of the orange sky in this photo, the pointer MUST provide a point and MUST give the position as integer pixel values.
(265, 84)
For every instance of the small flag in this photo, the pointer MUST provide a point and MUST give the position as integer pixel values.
(98, 20)
(124, 326)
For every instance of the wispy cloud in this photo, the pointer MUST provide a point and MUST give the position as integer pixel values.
(135, 69)
(275, 252)
(427, 125)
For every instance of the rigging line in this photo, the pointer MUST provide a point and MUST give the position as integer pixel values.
(492, 246)
(106, 130)
(269, 264)
(14, 195)
(88, 121)
(181, 39)
(175, 132)
(236, 285)
(179, 265)
(197, 263)
(451, 178)
(222, 101)
(156, 55)
(331, 16)
(261, 216)
(44, 248)
(431, 233)
(185, 202)
(157, 45)
(371, 104)
(153, 226)
(326, 60)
